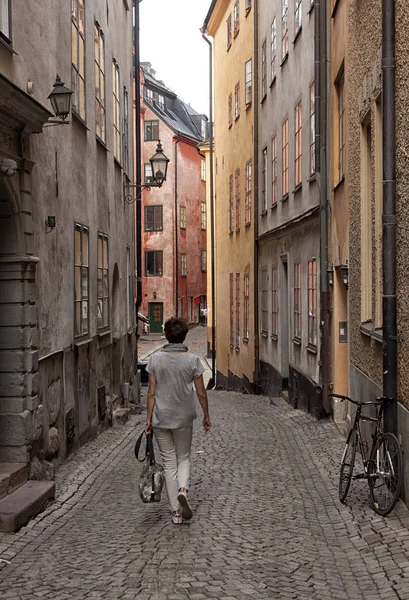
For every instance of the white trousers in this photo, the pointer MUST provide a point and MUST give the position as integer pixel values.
(174, 447)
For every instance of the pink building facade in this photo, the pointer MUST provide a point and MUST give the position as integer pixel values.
(174, 247)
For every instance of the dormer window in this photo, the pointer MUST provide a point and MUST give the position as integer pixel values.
(161, 101)
(204, 129)
(149, 95)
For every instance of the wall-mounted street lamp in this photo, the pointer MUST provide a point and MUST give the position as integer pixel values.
(345, 274)
(159, 163)
(60, 99)
(330, 273)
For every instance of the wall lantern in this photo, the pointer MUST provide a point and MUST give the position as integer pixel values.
(60, 99)
(159, 163)
(330, 274)
(345, 274)
(154, 295)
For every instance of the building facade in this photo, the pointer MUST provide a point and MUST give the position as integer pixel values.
(66, 259)
(231, 25)
(174, 219)
(289, 230)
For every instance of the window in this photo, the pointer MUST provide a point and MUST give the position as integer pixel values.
(126, 133)
(229, 38)
(78, 57)
(238, 215)
(263, 69)
(248, 5)
(103, 283)
(183, 265)
(366, 222)
(285, 158)
(153, 263)
(148, 94)
(182, 217)
(153, 218)
(81, 267)
(248, 193)
(203, 216)
(230, 110)
(99, 48)
(148, 173)
(312, 129)
(203, 169)
(297, 301)
(161, 101)
(246, 307)
(231, 310)
(237, 311)
(284, 28)
(341, 127)
(248, 75)
(203, 260)
(274, 298)
(298, 16)
(236, 17)
(231, 204)
(116, 106)
(298, 144)
(237, 100)
(264, 181)
(5, 20)
(312, 302)
(274, 181)
(264, 301)
(273, 49)
(204, 129)
(151, 131)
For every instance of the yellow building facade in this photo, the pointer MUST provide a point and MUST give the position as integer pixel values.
(231, 25)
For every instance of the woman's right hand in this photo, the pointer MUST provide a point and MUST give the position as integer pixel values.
(148, 427)
(206, 423)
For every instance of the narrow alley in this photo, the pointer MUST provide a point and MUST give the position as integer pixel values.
(268, 523)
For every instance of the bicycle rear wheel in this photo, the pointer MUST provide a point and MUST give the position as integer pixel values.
(347, 465)
(385, 474)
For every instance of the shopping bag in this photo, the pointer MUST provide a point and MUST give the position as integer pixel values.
(152, 477)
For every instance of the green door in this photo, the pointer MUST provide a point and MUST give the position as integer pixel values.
(156, 316)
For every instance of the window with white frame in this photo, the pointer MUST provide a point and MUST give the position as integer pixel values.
(248, 192)
(312, 129)
(81, 280)
(182, 217)
(263, 69)
(284, 161)
(99, 57)
(148, 94)
(284, 29)
(231, 204)
(298, 144)
(203, 169)
(203, 260)
(274, 180)
(204, 129)
(274, 298)
(116, 106)
(237, 100)
(238, 206)
(312, 302)
(161, 101)
(78, 57)
(203, 216)
(148, 173)
(297, 16)
(264, 301)
(248, 79)
(246, 308)
(103, 282)
(264, 180)
(297, 301)
(183, 265)
(126, 133)
(273, 49)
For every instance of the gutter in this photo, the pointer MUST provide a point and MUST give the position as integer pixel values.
(256, 375)
(389, 220)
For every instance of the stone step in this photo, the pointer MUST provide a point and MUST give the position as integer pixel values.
(25, 502)
(12, 476)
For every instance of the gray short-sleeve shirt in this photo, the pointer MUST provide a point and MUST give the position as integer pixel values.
(175, 395)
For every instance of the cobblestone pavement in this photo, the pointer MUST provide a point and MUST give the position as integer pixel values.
(267, 522)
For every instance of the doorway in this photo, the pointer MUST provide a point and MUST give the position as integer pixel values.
(285, 323)
(156, 316)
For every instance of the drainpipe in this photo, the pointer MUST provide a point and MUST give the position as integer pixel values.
(212, 381)
(321, 103)
(255, 196)
(390, 338)
(176, 228)
(138, 169)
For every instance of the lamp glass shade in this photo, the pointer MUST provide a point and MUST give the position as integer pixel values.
(159, 164)
(60, 99)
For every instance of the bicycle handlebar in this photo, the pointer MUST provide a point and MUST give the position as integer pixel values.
(376, 402)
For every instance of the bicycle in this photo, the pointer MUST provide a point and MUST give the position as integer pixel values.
(384, 467)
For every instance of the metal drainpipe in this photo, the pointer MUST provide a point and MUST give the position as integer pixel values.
(321, 94)
(389, 343)
(138, 169)
(255, 196)
(176, 229)
(212, 382)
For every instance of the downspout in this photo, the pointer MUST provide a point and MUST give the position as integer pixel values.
(176, 229)
(138, 169)
(255, 196)
(212, 381)
(390, 338)
(321, 95)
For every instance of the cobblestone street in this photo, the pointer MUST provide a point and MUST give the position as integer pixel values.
(267, 522)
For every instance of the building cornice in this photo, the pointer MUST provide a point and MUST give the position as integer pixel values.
(22, 109)
(215, 15)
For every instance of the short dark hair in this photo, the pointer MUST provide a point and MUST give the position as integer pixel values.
(176, 330)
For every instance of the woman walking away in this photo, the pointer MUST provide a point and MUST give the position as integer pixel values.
(171, 411)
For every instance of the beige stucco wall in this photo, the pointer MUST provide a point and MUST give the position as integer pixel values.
(234, 147)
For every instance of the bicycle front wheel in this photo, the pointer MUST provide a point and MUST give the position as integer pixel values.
(385, 474)
(347, 465)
